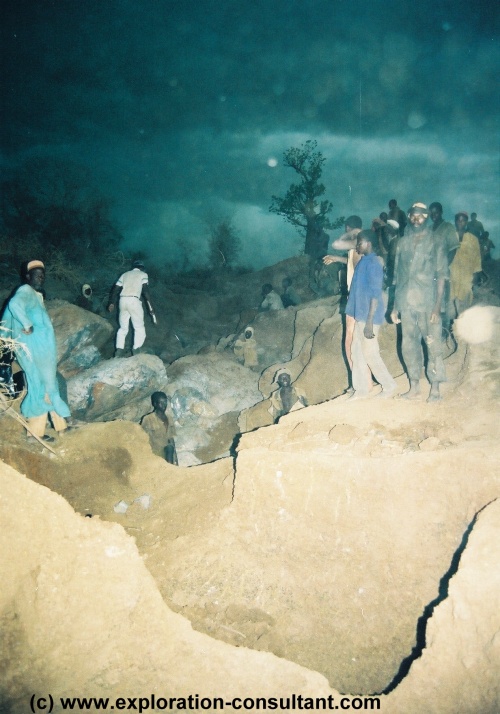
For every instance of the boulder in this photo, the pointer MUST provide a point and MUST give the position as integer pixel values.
(117, 388)
(316, 327)
(205, 386)
(208, 391)
(274, 332)
(80, 334)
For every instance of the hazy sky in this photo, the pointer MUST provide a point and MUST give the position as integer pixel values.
(182, 109)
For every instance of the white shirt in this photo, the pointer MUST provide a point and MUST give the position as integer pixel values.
(131, 283)
(272, 301)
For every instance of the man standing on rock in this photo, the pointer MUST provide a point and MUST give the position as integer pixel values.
(132, 286)
(30, 326)
(366, 308)
(420, 272)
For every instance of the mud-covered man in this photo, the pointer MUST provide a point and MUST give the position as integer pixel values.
(420, 272)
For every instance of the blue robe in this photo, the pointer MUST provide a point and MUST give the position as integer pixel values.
(26, 309)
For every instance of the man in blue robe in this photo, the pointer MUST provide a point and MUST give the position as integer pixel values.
(29, 324)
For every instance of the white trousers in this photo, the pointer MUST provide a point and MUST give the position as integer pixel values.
(366, 354)
(131, 309)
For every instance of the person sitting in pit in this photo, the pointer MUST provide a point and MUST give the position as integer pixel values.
(271, 299)
(286, 398)
(85, 299)
(289, 297)
(160, 428)
(245, 350)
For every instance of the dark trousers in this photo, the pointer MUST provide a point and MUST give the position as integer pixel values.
(417, 326)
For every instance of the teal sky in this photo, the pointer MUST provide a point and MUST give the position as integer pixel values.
(182, 110)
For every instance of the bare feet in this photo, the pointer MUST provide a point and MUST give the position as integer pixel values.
(412, 393)
(434, 395)
(358, 395)
(386, 394)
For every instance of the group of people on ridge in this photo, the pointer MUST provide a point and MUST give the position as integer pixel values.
(426, 262)
(429, 266)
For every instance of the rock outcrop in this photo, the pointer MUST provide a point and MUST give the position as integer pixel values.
(117, 388)
(80, 335)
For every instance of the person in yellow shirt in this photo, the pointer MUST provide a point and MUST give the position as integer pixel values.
(466, 262)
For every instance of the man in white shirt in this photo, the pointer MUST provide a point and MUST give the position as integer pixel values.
(132, 286)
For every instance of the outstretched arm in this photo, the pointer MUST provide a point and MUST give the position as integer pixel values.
(436, 312)
(329, 259)
(113, 296)
(147, 297)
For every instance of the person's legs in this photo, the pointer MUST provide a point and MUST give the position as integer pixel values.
(37, 425)
(359, 364)
(412, 350)
(137, 315)
(436, 372)
(59, 423)
(123, 320)
(349, 332)
(371, 353)
(171, 452)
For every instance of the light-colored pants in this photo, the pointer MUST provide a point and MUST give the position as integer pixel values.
(366, 354)
(37, 424)
(131, 309)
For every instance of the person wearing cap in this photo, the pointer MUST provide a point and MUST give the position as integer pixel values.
(30, 326)
(467, 262)
(85, 299)
(132, 287)
(420, 272)
(245, 350)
